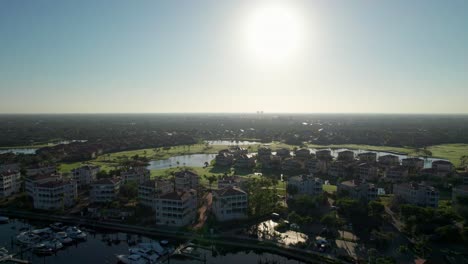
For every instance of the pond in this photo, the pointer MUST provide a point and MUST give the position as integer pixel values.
(193, 160)
(19, 150)
(96, 250)
(231, 142)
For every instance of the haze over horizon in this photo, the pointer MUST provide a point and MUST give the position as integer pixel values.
(234, 56)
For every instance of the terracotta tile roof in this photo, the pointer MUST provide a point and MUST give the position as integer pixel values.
(230, 191)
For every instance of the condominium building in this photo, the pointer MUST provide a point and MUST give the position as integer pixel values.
(55, 195)
(315, 166)
(230, 203)
(85, 175)
(413, 164)
(338, 169)
(442, 167)
(104, 190)
(150, 190)
(417, 193)
(302, 154)
(41, 169)
(346, 155)
(389, 160)
(291, 165)
(459, 191)
(396, 173)
(245, 162)
(224, 158)
(176, 208)
(31, 181)
(135, 174)
(10, 183)
(305, 184)
(368, 157)
(283, 152)
(230, 181)
(186, 180)
(358, 189)
(367, 171)
(323, 154)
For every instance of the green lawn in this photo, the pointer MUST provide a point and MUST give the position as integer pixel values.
(452, 152)
(329, 188)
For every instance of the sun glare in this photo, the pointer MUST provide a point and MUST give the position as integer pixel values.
(273, 33)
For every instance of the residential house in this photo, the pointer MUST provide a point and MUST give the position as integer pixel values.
(186, 180)
(230, 203)
(304, 184)
(105, 190)
(417, 193)
(176, 208)
(358, 189)
(85, 175)
(10, 183)
(55, 195)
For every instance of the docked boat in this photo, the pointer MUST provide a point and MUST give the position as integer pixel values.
(63, 238)
(55, 244)
(154, 246)
(131, 259)
(4, 253)
(27, 238)
(42, 249)
(57, 227)
(74, 233)
(148, 254)
(4, 220)
(44, 233)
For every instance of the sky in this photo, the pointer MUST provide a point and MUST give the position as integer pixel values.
(329, 56)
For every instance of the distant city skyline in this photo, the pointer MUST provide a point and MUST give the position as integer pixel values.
(234, 56)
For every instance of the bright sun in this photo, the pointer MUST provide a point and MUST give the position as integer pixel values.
(273, 33)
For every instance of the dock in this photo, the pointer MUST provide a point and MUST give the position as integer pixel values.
(14, 260)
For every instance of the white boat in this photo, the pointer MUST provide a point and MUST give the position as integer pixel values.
(4, 219)
(54, 244)
(27, 238)
(131, 259)
(75, 233)
(63, 238)
(42, 248)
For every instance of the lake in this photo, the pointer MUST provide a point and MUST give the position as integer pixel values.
(198, 160)
(95, 250)
(193, 160)
(231, 142)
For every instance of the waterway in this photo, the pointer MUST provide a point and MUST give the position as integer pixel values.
(97, 250)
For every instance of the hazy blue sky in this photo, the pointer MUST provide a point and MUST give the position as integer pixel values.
(192, 56)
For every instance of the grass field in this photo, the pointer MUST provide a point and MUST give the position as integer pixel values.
(452, 152)
(329, 188)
